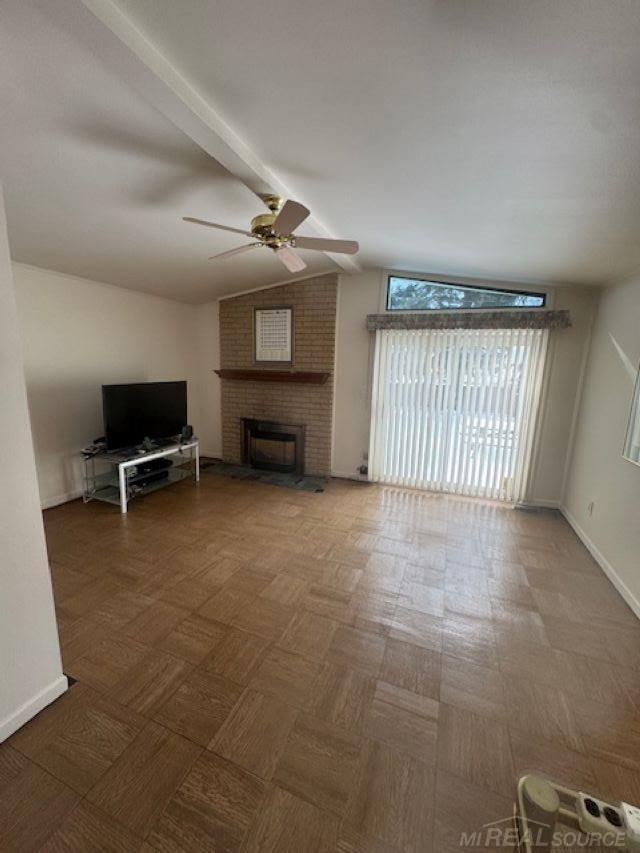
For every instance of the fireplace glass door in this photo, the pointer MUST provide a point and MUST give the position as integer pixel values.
(273, 452)
(272, 446)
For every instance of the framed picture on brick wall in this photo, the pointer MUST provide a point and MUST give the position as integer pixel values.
(273, 334)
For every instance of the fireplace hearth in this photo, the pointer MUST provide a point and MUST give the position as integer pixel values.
(272, 446)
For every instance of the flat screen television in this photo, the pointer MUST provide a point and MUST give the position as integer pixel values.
(142, 410)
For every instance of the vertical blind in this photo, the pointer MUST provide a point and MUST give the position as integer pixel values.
(454, 409)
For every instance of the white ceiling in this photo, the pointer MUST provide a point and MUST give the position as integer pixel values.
(498, 138)
(96, 180)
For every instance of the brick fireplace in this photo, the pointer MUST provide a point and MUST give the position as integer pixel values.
(304, 404)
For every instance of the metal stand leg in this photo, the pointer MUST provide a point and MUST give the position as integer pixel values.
(197, 474)
(123, 489)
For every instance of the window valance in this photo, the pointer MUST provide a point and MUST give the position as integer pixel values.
(470, 320)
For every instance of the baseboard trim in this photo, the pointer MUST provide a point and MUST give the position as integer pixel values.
(49, 503)
(25, 712)
(353, 475)
(545, 504)
(604, 564)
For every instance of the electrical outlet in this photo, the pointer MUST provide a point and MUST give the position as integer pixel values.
(590, 506)
(597, 816)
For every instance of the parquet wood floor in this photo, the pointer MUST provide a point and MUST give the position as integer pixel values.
(366, 669)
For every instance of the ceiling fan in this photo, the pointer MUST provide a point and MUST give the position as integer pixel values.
(275, 231)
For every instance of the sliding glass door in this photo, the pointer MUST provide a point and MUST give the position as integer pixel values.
(454, 410)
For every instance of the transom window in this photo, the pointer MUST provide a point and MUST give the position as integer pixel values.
(417, 294)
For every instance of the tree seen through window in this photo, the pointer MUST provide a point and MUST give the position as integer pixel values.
(414, 294)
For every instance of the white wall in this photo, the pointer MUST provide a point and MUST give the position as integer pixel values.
(30, 667)
(79, 335)
(567, 354)
(598, 471)
(358, 295)
(209, 359)
(362, 294)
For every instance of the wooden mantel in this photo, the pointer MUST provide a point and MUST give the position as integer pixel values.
(300, 376)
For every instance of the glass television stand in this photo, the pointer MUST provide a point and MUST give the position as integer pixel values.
(119, 476)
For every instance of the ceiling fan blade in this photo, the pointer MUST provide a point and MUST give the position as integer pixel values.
(292, 262)
(343, 247)
(215, 225)
(230, 252)
(292, 214)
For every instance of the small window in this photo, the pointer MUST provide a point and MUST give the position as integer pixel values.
(416, 294)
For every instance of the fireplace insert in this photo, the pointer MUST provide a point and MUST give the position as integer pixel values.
(272, 446)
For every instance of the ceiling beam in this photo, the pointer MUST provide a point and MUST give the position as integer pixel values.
(113, 35)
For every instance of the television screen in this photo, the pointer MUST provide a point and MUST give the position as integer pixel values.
(143, 410)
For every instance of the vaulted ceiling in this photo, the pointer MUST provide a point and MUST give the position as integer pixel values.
(499, 139)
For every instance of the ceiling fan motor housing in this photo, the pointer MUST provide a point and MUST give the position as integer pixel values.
(262, 228)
